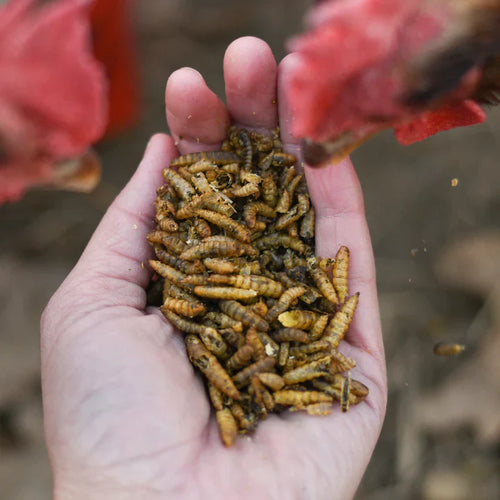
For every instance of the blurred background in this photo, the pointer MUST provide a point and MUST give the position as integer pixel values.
(434, 213)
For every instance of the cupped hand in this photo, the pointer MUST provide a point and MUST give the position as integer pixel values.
(126, 416)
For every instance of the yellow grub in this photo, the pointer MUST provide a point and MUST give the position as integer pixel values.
(171, 242)
(308, 371)
(201, 166)
(241, 313)
(201, 228)
(253, 339)
(184, 307)
(303, 204)
(293, 230)
(212, 369)
(326, 264)
(196, 279)
(246, 190)
(262, 143)
(240, 358)
(213, 247)
(284, 202)
(233, 338)
(301, 398)
(214, 342)
(247, 176)
(224, 293)
(272, 380)
(262, 396)
(215, 397)
(270, 345)
(340, 273)
(232, 168)
(168, 272)
(277, 240)
(288, 218)
(342, 363)
(357, 393)
(312, 348)
(345, 392)
(308, 224)
(291, 335)
(264, 286)
(260, 308)
(358, 389)
(285, 301)
(284, 159)
(216, 157)
(298, 319)
(167, 224)
(188, 209)
(228, 427)
(220, 266)
(339, 324)
(184, 324)
(239, 414)
(175, 261)
(444, 349)
(269, 191)
(243, 377)
(294, 184)
(181, 186)
(174, 291)
(226, 223)
(319, 409)
(284, 353)
(322, 281)
(225, 321)
(255, 208)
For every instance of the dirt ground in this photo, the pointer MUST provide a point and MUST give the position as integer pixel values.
(436, 247)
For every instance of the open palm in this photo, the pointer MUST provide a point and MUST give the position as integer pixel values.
(126, 416)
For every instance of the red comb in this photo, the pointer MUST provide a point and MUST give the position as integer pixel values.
(450, 116)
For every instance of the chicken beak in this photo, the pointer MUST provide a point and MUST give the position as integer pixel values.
(80, 174)
(322, 154)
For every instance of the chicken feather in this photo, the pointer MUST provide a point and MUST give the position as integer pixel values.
(418, 66)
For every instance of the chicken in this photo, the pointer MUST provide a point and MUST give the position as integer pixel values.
(114, 47)
(418, 66)
(52, 97)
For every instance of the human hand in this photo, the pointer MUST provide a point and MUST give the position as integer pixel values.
(125, 414)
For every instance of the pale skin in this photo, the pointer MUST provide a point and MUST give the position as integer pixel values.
(126, 416)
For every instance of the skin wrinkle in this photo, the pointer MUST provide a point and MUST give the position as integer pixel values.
(114, 273)
(116, 291)
(50, 346)
(162, 451)
(128, 460)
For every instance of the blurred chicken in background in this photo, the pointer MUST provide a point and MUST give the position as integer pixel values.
(114, 46)
(56, 99)
(418, 66)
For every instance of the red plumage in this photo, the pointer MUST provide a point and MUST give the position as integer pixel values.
(412, 65)
(52, 92)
